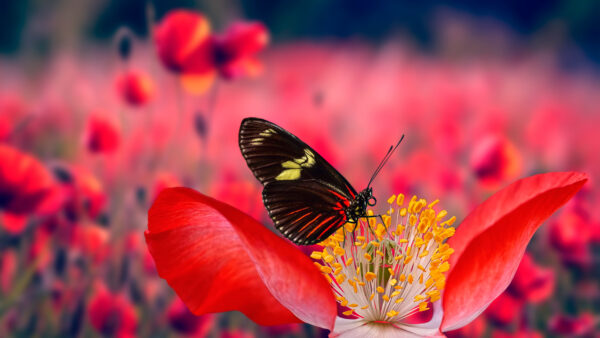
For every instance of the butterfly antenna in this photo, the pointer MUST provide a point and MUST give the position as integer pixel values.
(387, 156)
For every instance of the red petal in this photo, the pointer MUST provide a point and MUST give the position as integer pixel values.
(244, 39)
(217, 259)
(491, 240)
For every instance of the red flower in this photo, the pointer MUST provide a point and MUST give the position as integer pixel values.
(246, 267)
(183, 321)
(186, 47)
(179, 34)
(102, 136)
(495, 161)
(135, 87)
(573, 326)
(531, 282)
(110, 314)
(24, 181)
(505, 309)
(234, 52)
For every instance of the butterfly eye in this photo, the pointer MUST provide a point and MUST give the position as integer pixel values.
(372, 201)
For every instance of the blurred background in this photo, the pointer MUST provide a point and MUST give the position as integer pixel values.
(100, 110)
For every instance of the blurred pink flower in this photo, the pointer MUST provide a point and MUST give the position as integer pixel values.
(102, 136)
(135, 87)
(186, 323)
(495, 161)
(532, 283)
(505, 309)
(24, 182)
(581, 325)
(111, 314)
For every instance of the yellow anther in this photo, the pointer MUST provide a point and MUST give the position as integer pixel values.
(340, 278)
(369, 276)
(402, 277)
(352, 305)
(403, 240)
(328, 279)
(423, 307)
(450, 221)
(444, 267)
(348, 313)
(395, 293)
(398, 287)
(379, 253)
(386, 298)
(420, 267)
(328, 258)
(419, 298)
(433, 203)
(393, 282)
(407, 259)
(367, 256)
(316, 255)
(360, 238)
(337, 270)
(326, 269)
(374, 243)
(339, 251)
(410, 279)
(357, 270)
(412, 220)
(400, 199)
(408, 250)
(349, 261)
(365, 307)
(397, 258)
(371, 297)
(403, 212)
(392, 313)
(441, 215)
(380, 289)
(391, 199)
(423, 254)
(399, 300)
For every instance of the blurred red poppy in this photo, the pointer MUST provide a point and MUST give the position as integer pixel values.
(185, 322)
(135, 87)
(24, 181)
(495, 160)
(574, 326)
(505, 309)
(111, 314)
(185, 46)
(248, 268)
(102, 136)
(531, 282)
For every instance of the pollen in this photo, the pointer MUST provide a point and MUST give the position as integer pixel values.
(390, 270)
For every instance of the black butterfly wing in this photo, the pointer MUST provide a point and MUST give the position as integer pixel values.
(274, 154)
(306, 213)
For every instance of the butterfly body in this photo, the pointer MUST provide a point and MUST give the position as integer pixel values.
(307, 199)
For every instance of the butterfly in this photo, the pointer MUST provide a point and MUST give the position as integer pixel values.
(305, 196)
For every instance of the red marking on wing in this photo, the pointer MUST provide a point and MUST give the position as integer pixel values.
(296, 211)
(341, 197)
(339, 223)
(350, 191)
(308, 223)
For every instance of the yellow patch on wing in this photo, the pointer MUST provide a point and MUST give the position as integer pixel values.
(288, 175)
(293, 168)
(268, 132)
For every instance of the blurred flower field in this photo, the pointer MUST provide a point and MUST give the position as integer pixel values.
(88, 142)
